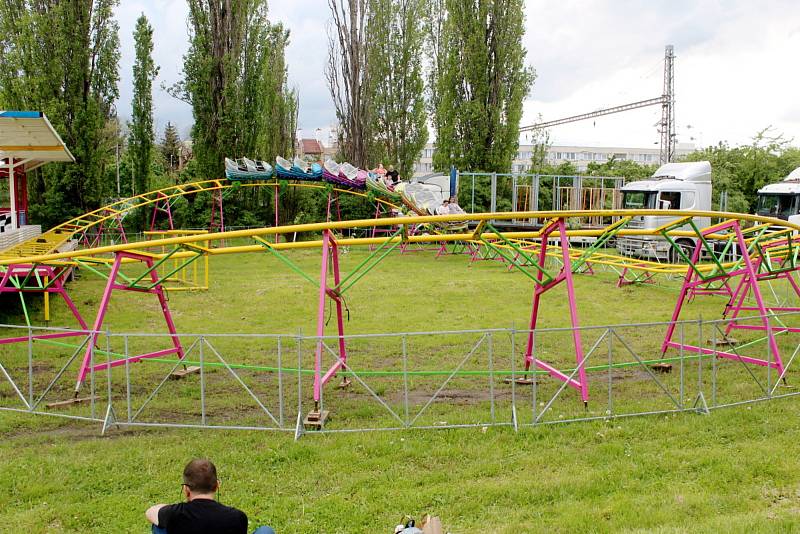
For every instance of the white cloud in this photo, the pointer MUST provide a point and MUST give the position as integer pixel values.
(734, 70)
(735, 73)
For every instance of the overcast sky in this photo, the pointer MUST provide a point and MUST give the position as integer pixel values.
(736, 67)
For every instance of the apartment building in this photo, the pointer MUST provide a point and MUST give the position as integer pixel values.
(579, 156)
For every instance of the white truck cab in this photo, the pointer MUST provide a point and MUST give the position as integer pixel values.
(781, 200)
(674, 186)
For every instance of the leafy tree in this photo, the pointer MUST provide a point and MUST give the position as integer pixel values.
(62, 58)
(234, 77)
(433, 23)
(141, 130)
(621, 167)
(482, 83)
(347, 73)
(276, 111)
(395, 82)
(742, 171)
(540, 146)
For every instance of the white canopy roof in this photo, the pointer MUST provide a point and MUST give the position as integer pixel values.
(29, 136)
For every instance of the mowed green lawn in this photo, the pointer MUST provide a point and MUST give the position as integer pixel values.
(733, 471)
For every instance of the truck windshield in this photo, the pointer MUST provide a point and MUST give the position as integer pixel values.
(780, 206)
(636, 200)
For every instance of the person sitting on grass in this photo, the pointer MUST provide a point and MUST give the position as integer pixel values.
(201, 513)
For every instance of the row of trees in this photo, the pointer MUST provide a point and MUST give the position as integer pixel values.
(392, 64)
(395, 68)
(63, 58)
(737, 173)
(742, 171)
(236, 82)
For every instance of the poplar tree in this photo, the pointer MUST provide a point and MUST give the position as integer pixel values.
(234, 77)
(62, 58)
(433, 26)
(347, 73)
(481, 85)
(141, 129)
(395, 84)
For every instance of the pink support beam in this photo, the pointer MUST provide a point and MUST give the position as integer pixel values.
(276, 208)
(565, 275)
(748, 284)
(17, 273)
(111, 285)
(736, 304)
(333, 198)
(377, 216)
(162, 205)
(644, 278)
(330, 264)
(217, 221)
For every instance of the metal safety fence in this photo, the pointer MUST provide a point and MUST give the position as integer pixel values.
(396, 381)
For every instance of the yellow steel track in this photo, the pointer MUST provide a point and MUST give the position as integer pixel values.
(230, 242)
(51, 241)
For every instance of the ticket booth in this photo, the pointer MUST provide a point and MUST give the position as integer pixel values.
(27, 141)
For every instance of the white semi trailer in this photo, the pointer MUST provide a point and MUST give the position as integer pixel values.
(684, 186)
(782, 199)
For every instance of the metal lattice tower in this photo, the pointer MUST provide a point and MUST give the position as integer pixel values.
(667, 127)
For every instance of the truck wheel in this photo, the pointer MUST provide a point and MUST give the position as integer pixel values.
(687, 247)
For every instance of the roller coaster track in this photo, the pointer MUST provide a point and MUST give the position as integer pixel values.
(54, 239)
(761, 230)
(741, 247)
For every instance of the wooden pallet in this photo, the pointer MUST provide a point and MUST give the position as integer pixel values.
(70, 402)
(182, 373)
(724, 341)
(662, 367)
(316, 419)
(520, 381)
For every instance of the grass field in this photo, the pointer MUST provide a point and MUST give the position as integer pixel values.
(734, 471)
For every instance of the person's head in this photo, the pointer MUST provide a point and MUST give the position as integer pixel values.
(453, 200)
(445, 202)
(380, 165)
(391, 167)
(200, 478)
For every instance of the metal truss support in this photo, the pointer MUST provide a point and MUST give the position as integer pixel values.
(456, 247)
(543, 282)
(377, 230)
(333, 198)
(217, 221)
(330, 265)
(162, 205)
(747, 268)
(44, 279)
(332, 288)
(718, 287)
(110, 222)
(155, 288)
(777, 260)
(630, 276)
